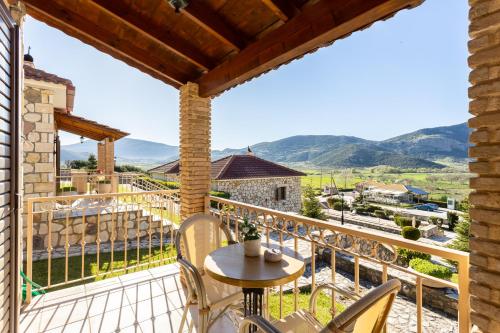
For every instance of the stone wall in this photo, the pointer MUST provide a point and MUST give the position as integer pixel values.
(118, 224)
(38, 143)
(261, 192)
(484, 60)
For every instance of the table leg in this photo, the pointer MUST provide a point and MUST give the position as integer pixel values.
(252, 298)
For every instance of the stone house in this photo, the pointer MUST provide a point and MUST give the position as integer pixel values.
(48, 109)
(249, 179)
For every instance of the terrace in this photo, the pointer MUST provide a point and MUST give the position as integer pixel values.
(204, 49)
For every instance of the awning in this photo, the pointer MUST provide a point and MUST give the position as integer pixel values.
(86, 128)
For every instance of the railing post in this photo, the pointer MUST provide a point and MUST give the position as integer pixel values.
(29, 250)
(464, 324)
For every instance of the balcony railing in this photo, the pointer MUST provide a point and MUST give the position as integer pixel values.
(97, 230)
(305, 235)
(89, 182)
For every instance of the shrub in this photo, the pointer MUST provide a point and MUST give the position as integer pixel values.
(452, 220)
(67, 188)
(218, 194)
(410, 233)
(128, 168)
(405, 221)
(337, 205)
(436, 221)
(406, 255)
(388, 212)
(380, 214)
(427, 267)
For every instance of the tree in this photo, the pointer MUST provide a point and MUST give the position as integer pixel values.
(311, 206)
(78, 164)
(92, 162)
(461, 241)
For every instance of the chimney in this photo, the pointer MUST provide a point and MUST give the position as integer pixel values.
(28, 59)
(250, 152)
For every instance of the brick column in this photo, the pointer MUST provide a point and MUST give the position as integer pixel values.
(106, 156)
(484, 60)
(195, 126)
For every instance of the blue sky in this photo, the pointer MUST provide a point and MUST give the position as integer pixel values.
(397, 76)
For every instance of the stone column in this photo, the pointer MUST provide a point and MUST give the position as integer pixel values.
(195, 132)
(106, 156)
(484, 60)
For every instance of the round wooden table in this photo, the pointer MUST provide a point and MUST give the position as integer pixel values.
(253, 274)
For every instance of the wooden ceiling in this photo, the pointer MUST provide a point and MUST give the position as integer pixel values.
(216, 43)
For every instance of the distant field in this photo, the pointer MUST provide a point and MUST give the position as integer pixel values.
(453, 183)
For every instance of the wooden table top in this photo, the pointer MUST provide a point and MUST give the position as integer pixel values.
(230, 265)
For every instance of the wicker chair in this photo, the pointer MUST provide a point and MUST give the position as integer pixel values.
(198, 236)
(367, 315)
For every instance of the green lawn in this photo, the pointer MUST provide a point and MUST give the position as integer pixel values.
(91, 267)
(323, 305)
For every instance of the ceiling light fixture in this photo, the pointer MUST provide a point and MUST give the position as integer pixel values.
(178, 4)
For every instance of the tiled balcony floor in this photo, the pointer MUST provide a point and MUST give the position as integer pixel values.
(146, 301)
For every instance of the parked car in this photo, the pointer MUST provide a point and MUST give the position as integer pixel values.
(429, 207)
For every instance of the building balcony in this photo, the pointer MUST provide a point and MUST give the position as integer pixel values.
(110, 266)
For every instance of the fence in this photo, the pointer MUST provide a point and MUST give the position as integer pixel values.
(132, 225)
(306, 235)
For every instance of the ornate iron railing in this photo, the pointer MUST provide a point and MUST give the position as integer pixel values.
(135, 227)
(374, 248)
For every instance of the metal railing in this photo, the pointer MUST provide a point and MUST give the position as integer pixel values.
(287, 230)
(105, 233)
(89, 182)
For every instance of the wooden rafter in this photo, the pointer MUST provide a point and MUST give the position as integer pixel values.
(210, 21)
(168, 40)
(316, 25)
(283, 9)
(105, 40)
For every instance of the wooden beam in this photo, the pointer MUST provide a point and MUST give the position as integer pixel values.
(210, 21)
(317, 25)
(283, 9)
(104, 40)
(157, 33)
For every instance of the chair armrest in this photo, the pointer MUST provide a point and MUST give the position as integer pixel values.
(263, 324)
(333, 287)
(192, 274)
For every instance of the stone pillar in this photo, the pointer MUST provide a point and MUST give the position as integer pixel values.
(106, 156)
(195, 132)
(484, 60)
(38, 143)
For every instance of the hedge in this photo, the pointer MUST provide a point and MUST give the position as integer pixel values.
(405, 221)
(427, 267)
(169, 185)
(218, 194)
(406, 255)
(380, 214)
(410, 233)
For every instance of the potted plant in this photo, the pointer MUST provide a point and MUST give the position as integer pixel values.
(251, 238)
(104, 186)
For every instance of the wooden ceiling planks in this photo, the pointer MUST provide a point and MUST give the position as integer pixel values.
(316, 26)
(216, 43)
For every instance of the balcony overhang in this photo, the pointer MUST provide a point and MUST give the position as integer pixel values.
(86, 128)
(218, 45)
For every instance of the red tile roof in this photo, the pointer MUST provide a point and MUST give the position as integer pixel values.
(238, 167)
(39, 75)
(168, 168)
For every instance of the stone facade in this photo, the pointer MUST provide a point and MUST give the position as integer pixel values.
(262, 192)
(195, 133)
(38, 143)
(484, 60)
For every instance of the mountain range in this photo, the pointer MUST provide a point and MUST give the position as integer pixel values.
(418, 149)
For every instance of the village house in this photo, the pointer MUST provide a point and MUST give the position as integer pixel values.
(48, 109)
(390, 193)
(249, 179)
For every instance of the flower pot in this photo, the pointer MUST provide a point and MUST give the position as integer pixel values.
(252, 247)
(103, 188)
